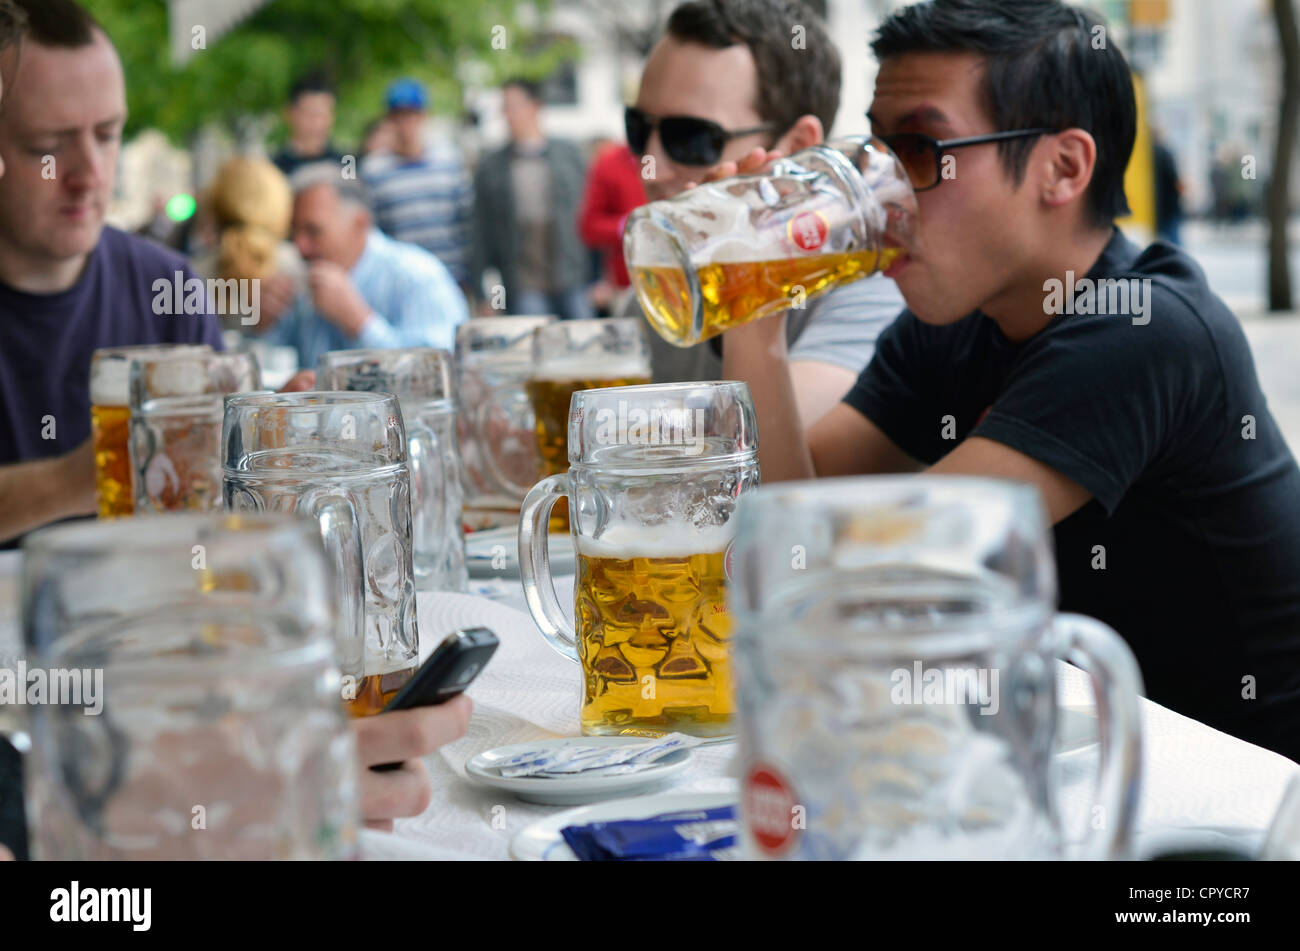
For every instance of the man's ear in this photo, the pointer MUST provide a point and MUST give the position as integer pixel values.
(806, 131)
(1066, 165)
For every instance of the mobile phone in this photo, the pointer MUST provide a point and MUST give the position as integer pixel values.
(450, 669)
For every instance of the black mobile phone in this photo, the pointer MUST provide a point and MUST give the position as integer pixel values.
(451, 668)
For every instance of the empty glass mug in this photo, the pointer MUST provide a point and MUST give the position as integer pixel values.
(421, 379)
(655, 473)
(573, 355)
(110, 415)
(176, 407)
(339, 458)
(192, 710)
(498, 441)
(742, 248)
(896, 673)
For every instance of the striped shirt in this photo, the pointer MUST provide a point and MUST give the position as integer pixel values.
(427, 201)
(415, 303)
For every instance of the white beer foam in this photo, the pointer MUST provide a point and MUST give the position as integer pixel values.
(177, 377)
(662, 541)
(567, 371)
(110, 383)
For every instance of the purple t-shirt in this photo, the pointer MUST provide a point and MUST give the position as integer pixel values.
(46, 340)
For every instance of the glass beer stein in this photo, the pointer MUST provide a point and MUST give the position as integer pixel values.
(421, 379)
(339, 458)
(655, 472)
(573, 355)
(498, 441)
(176, 407)
(110, 414)
(896, 675)
(735, 250)
(198, 716)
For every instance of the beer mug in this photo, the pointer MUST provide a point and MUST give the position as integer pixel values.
(742, 248)
(573, 355)
(421, 379)
(176, 407)
(192, 707)
(655, 472)
(896, 675)
(110, 414)
(498, 442)
(339, 458)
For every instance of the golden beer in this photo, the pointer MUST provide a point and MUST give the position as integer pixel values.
(110, 434)
(737, 293)
(550, 399)
(373, 691)
(654, 638)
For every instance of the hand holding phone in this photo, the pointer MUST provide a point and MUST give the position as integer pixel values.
(450, 669)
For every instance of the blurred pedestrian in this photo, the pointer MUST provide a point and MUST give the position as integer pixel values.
(364, 290)
(419, 190)
(614, 189)
(526, 198)
(1169, 192)
(378, 137)
(310, 117)
(250, 206)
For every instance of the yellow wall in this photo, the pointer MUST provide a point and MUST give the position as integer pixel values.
(1140, 178)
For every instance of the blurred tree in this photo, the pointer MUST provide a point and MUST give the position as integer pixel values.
(362, 44)
(1288, 127)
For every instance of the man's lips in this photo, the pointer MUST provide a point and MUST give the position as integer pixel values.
(898, 266)
(77, 212)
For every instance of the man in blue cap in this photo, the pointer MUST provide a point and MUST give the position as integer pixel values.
(420, 192)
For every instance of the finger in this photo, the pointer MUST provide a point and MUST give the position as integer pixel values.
(383, 825)
(300, 382)
(395, 794)
(410, 734)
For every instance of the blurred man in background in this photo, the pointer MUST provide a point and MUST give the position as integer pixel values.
(526, 197)
(310, 117)
(420, 191)
(365, 290)
(729, 67)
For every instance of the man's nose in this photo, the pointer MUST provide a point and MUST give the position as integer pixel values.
(85, 164)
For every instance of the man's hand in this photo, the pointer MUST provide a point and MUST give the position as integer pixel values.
(300, 382)
(404, 736)
(277, 295)
(336, 298)
(35, 493)
(752, 161)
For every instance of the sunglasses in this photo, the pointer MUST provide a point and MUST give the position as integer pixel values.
(686, 139)
(922, 156)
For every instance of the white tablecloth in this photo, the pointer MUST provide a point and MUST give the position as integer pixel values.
(1194, 777)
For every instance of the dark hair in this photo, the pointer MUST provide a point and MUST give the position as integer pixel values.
(59, 23)
(794, 79)
(12, 24)
(529, 87)
(313, 82)
(1043, 68)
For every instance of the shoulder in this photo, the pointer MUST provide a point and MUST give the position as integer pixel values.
(138, 258)
(409, 265)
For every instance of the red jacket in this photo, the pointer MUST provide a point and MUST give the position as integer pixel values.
(613, 190)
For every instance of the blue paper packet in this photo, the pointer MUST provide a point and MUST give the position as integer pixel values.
(693, 835)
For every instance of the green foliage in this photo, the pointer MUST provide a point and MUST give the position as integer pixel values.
(362, 44)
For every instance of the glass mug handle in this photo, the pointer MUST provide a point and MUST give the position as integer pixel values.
(341, 533)
(500, 398)
(429, 484)
(535, 565)
(1117, 685)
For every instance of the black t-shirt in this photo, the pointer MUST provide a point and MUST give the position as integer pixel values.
(1196, 498)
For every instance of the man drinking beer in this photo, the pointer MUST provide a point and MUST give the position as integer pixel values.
(728, 76)
(1040, 345)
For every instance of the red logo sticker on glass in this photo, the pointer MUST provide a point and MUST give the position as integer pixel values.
(771, 810)
(808, 230)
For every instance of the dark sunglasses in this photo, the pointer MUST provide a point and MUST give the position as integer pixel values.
(922, 156)
(686, 139)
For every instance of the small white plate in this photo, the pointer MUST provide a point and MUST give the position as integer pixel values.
(542, 841)
(577, 789)
(494, 553)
